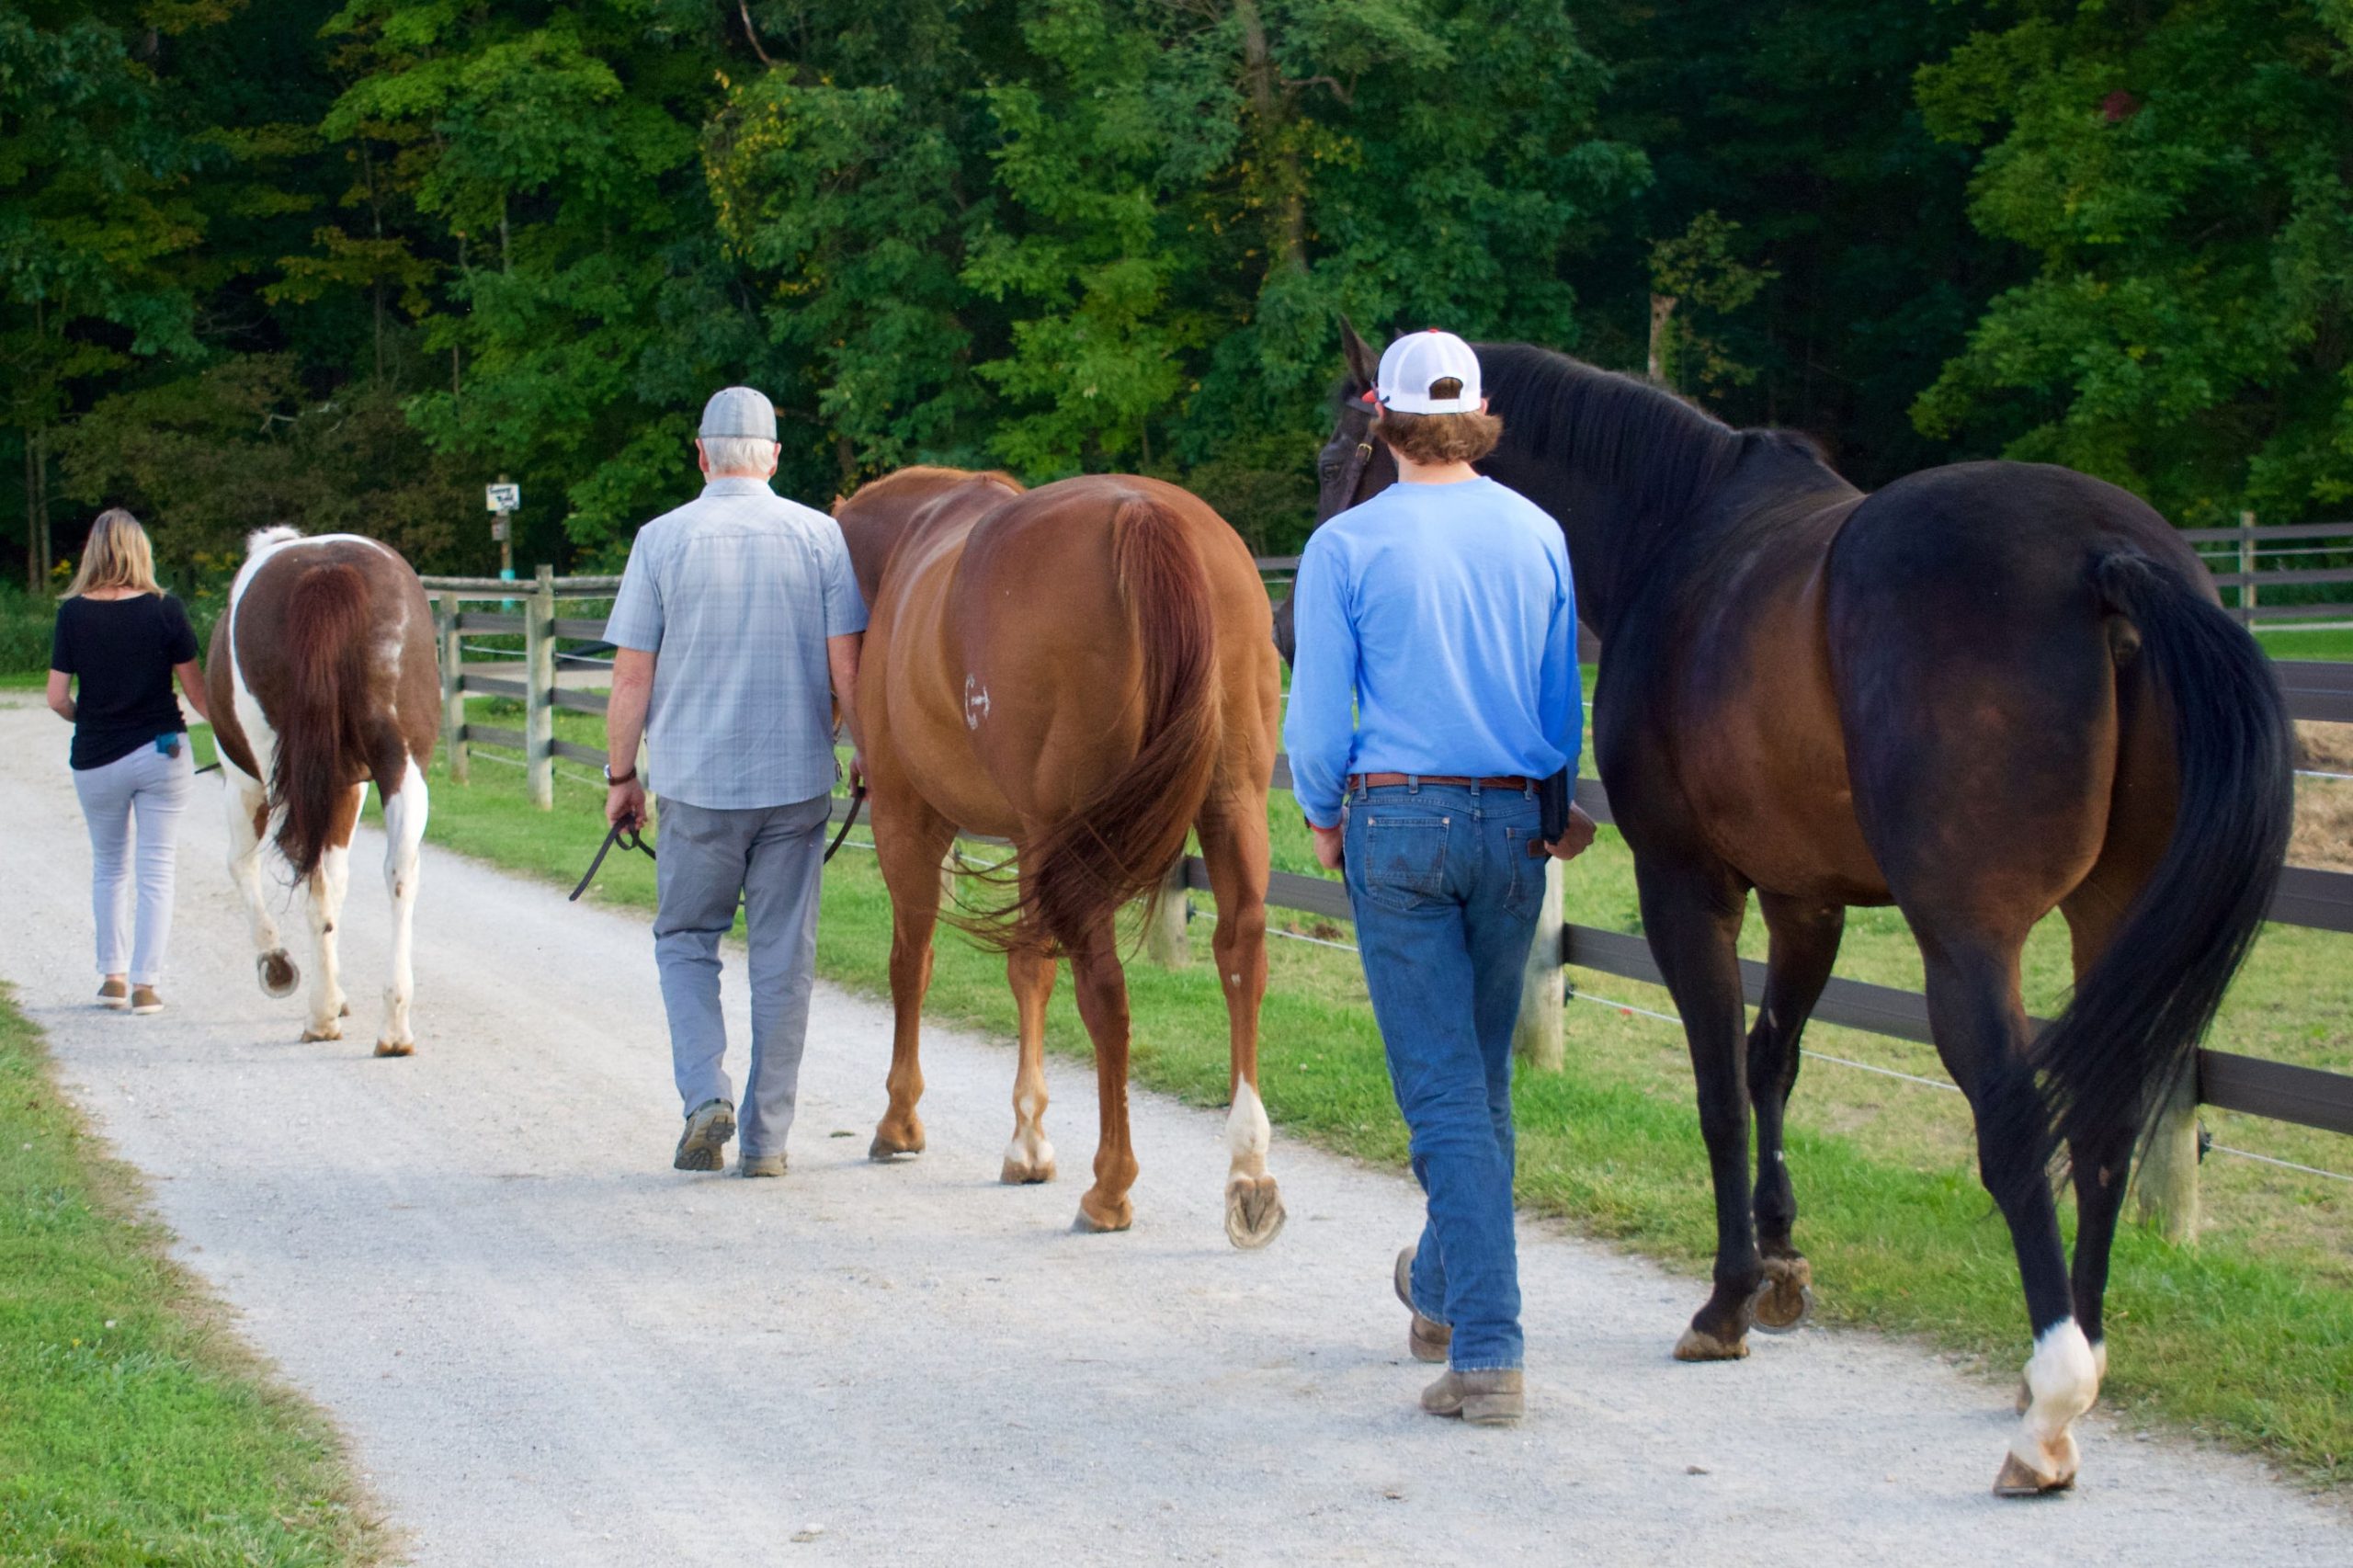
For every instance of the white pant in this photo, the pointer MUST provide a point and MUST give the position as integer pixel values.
(153, 787)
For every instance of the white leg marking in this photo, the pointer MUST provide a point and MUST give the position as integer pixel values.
(329, 886)
(244, 799)
(2064, 1375)
(1029, 1149)
(404, 811)
(1247, 1134)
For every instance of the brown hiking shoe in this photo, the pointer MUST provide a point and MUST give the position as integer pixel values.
(1497, 1397)
(1427, 1337)
(701, 1147)
(145, 1000)
(114, 994)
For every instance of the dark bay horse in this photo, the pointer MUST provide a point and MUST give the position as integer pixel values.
(325, 676)
(1087, 670)
(1981, 693)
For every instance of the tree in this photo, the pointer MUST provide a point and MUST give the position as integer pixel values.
(95, 224)
(2178, 176)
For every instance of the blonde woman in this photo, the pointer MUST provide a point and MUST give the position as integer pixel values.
(122, 639)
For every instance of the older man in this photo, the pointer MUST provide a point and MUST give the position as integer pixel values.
(738, 617)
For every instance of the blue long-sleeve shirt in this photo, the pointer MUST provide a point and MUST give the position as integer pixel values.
(1437, 634)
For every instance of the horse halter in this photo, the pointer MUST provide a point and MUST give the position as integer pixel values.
(1352, 473)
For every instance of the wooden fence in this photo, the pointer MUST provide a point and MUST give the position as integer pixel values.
(2250, 543)
(2168, 1185)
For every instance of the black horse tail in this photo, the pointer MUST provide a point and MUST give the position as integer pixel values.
(2136, 1019)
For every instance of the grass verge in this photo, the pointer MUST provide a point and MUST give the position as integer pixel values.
(133, 1429)
(2247, 1337)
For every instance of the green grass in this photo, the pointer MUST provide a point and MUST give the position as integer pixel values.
(2247, 1337)
(2283, 643)
(134, 1430)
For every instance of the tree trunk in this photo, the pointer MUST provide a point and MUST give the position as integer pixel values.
(1279, 161)
(37, 540)
(1662, 325)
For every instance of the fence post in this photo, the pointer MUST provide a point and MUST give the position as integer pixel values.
(1543, 995)
(2246, 568)
(2168, 1179)
(1164, 936)
(453, 691)
(538, 683)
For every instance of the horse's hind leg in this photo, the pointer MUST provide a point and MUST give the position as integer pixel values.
(404, 811)
(329, 883)
(1805, 944)
(247, 807)
(910, 840)
(1980, 1030)
(1029, 1157)
(1234, 846)
(1103, 1005)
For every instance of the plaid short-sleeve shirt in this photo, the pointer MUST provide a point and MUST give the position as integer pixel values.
(735, 593)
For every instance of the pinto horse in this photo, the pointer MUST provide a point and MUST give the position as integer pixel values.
(1086, 670)
(1981, 693)
(324, 675)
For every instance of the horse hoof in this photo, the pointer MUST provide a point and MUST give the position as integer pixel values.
(1786, 1299)
(886, 1147)
(1098, 1218)
(1699, 1345)
(1017, 1174)
(396, 1048)
(2020, 1478)
(279, 975)
(343, 1010)
(312, 1034)
(1254, 1212)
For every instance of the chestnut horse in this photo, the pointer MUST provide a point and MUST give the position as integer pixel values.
(1088, 671)
(1981, 693)
(324, 676)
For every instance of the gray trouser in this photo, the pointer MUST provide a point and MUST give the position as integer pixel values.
(775, 857)
(153, 788)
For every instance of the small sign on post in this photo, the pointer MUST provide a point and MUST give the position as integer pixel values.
(502, 497)
(500, 500)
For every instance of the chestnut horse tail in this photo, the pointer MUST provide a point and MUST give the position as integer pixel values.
(2135, 1022)
(1120, 841)
(320, 748)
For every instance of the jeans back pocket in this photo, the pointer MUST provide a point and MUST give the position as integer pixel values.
(1404, 857)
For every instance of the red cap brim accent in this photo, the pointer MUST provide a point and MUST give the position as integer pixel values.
(1372, 396)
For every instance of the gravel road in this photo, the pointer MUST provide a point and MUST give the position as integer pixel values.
(548, 1347)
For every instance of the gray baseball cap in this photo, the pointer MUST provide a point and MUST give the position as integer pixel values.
(739, 411)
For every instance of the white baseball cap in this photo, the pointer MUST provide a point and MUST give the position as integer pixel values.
(739, 411)
(1419, 360)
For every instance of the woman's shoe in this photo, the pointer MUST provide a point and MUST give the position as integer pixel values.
(114, 994)
(1425, 1338)
(145, 1000)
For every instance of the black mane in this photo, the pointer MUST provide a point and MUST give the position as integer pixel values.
(1657, 451)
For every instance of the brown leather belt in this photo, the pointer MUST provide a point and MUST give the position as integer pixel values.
(1385, 780)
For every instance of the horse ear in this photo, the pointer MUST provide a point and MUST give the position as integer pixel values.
(1364, 365)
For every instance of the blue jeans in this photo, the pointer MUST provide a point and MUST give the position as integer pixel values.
(1446, 898)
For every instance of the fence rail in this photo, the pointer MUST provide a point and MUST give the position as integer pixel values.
(2306, 896)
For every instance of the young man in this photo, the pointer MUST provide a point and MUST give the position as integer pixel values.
(738, 618)
(1434, 687)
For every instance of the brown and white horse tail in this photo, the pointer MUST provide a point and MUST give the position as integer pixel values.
(1120, 842)
(320, 747)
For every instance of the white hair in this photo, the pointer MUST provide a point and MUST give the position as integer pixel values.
(738, 454)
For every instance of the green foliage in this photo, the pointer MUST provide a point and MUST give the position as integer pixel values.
(2178, 175)
(1697, 274)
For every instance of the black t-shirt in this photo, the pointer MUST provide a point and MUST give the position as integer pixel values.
(123, 651)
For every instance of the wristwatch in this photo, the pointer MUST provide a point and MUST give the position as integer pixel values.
(613, 777)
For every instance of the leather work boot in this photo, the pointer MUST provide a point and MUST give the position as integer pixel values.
(1494, 1398)
(1427, 1337)
(709, 1127)
(760, 1166)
